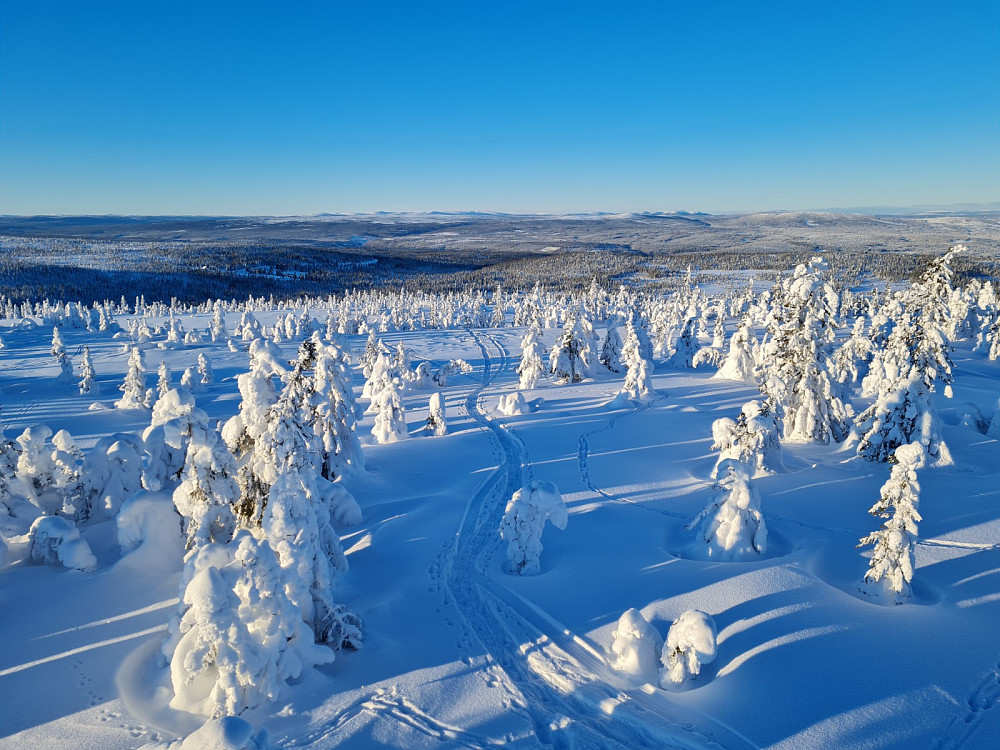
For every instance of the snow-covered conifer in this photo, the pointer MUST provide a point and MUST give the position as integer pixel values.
(636, 647)
(565, 360)
(88, 381)
(523, 521)
(638, 376)
(209, 490)
(739, 363)
(163, 379)
(691, 643)
(390, 415)
(890, 571)
(205, 369)
(532, 367)
(752, 439)
(731, 527)
(134, 387)
(437, 424)
(898, 417)
(685, 349)
(611, 347)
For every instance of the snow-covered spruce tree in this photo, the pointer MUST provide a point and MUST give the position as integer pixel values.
(190, 380)
(915, 348)
(851, 360)
(217, 667)
(88, 378)
(162, 379)
(731, 526)
(390, 416)
(795, 356)
(685, 348)
(134, 387)
(752, 439)
(739, 363)
(243, 431)
(523, 521)
(437, 424)
(532, 367)
(66, 374)
(566, 363)
(332, 412)
(890, 571)
(902, 416)
(611, 347)
(636, 647)
(638, 376)
(208, 492)
(813, 412)
(205, 370)
(283, 502)
(934, 287)
(691, 643)
(382, 372)
(217, 329)
(175, 416)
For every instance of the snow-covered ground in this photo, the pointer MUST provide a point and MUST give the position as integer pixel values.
(459, 653)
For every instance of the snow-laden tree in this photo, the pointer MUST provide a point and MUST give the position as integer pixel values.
(238, 637)
(331, 412)
(88, 378)
(66, 374)
(813, 412)
(437, 423)
(163, 379)
(284, 500)
(390, 415)
(691, 644)
(205, 369)
(915, 348)
(208, 491)
(134, 387)
(532, 366)
(523, 521)
(739, 363)
(611, 347)
(752, 439)
(56, 541)
(636, 647)
(731, 526)
(35, 469)
(639, 369)
(898, 417)
(571, 354)
(685, 348)
(851, 360)
(382, 372)
(890, 570)
(175, 416)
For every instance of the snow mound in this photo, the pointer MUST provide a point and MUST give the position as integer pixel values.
(227, 733)
(150, 522)
(513, 405)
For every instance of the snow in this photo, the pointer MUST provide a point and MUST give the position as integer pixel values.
(458, 652)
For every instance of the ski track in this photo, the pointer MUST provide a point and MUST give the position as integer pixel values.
(553, 678)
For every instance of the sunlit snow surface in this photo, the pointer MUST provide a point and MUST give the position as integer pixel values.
(460, 654)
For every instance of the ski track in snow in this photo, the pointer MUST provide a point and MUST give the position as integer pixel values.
(548, 673)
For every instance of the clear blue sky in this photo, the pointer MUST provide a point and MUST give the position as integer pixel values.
(270, 108)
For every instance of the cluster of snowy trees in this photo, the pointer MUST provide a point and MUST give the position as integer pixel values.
(641, 653)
